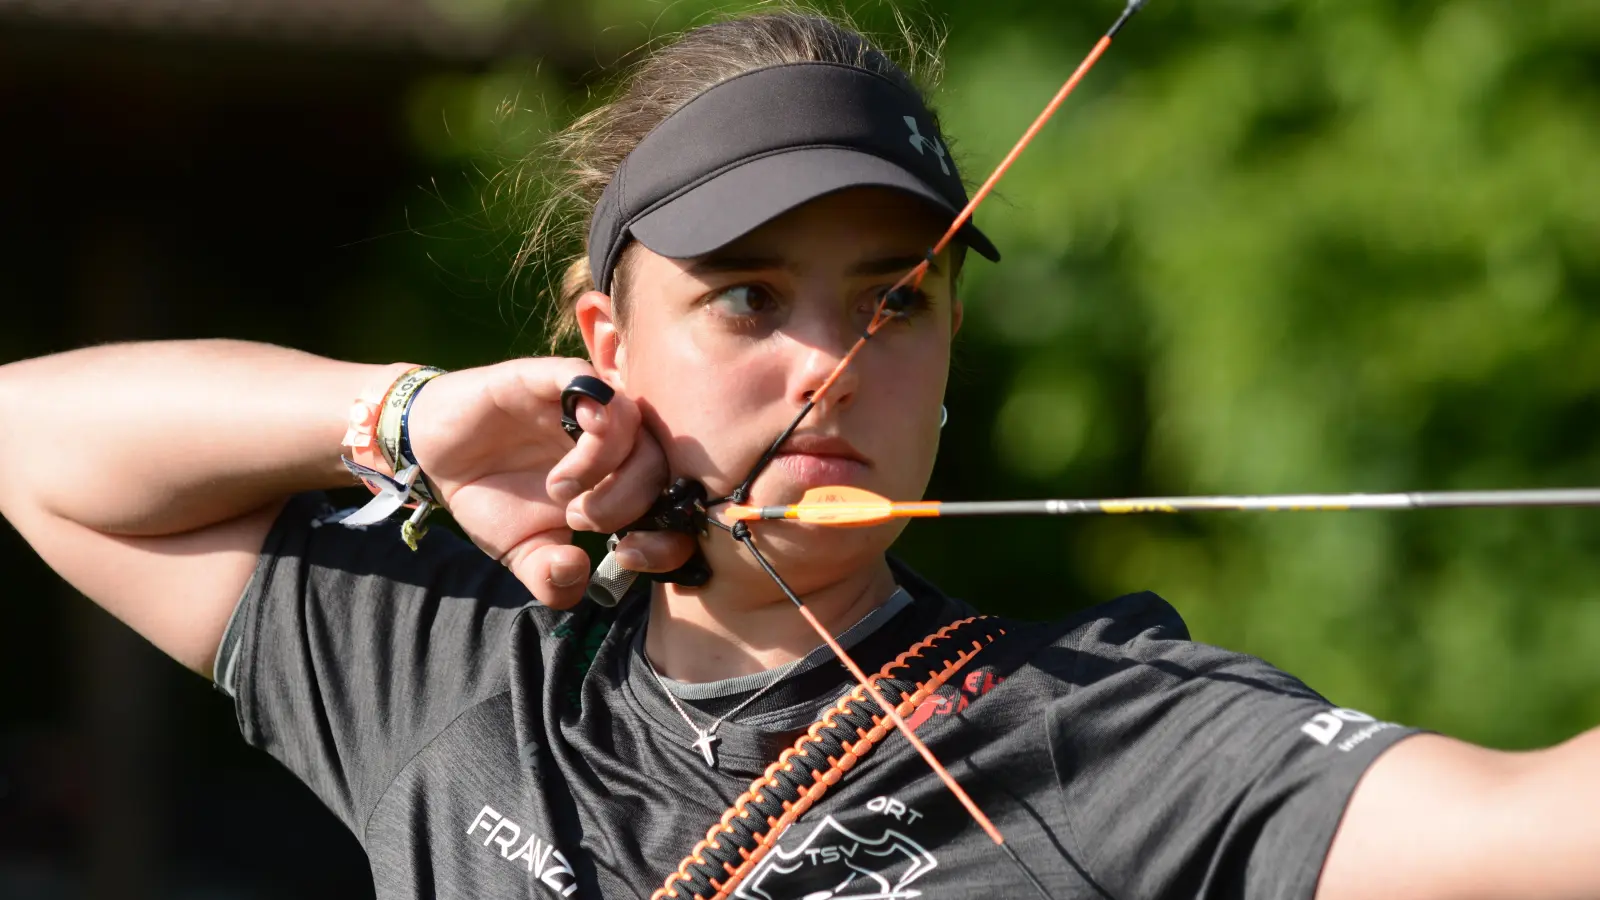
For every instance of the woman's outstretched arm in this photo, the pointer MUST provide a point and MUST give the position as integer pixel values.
(1440, 819)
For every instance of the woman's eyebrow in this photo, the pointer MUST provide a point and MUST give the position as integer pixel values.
(718, 264)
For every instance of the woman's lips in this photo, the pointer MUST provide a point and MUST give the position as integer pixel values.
(813, 470)
(818, 460)
(811, 459)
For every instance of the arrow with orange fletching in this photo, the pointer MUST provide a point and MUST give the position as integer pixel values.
(845, 507)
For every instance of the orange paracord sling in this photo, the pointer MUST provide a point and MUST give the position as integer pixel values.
(818, 759)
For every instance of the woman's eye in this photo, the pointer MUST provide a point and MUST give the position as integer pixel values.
(743, 300)
(906, 301)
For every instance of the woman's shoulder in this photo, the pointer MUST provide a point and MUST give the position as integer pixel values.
(1139, 643)
(1132, 620)
(1140, 622)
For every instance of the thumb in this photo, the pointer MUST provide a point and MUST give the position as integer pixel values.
(555, 573)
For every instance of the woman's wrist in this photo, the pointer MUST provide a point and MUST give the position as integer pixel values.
(378, 438)
(361, 443)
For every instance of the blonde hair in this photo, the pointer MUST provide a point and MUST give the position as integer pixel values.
(582, 158)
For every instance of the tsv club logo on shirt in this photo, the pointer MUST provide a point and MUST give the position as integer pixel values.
(837, 863)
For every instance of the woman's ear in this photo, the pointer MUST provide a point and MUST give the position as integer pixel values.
(602, 336)
(955, 315)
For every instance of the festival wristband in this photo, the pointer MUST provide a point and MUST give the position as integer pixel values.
(393, 432)
(378, 423)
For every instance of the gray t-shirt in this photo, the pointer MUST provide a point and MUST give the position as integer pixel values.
(481, 745)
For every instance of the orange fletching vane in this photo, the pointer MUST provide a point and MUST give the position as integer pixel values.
(840, 495)
(840, 505)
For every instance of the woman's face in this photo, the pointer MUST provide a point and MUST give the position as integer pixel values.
(722, 351)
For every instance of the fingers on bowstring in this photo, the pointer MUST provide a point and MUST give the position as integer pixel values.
(624, 495)
(555, 571)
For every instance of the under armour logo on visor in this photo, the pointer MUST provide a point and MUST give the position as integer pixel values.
(925, 143)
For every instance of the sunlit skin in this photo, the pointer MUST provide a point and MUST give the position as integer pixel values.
(721, 352)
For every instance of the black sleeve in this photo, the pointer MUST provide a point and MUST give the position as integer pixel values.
(348, 652)
(1190, 771)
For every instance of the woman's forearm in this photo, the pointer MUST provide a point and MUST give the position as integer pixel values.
(167, 437)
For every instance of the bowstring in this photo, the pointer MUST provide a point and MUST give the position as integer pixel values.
(881, 316)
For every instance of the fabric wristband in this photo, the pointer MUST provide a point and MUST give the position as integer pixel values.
(379, 421)
(393, 434)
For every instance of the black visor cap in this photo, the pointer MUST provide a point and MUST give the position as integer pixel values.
(758, 145)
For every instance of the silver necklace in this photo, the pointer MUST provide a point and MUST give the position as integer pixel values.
(705, 738)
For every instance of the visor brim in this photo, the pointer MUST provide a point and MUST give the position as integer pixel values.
(736, 202)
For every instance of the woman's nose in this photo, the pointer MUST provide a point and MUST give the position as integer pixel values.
(822, 381)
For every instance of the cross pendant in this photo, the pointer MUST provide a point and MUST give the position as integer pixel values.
(706, 744)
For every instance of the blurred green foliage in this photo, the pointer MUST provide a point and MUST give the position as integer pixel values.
(1314, 246)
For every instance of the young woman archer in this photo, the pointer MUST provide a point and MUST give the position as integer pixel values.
(754, 191)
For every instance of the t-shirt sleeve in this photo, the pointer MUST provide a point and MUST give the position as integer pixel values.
(348, 652)
(1191, 771)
